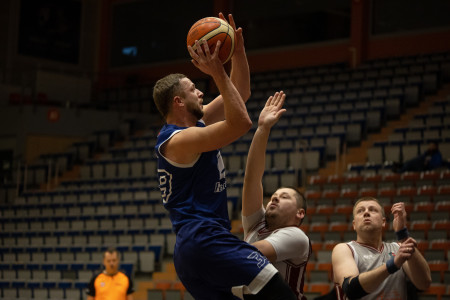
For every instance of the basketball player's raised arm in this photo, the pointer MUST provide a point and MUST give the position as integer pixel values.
(237, 122)
(252, 194)
(416, 267)
(240, 76)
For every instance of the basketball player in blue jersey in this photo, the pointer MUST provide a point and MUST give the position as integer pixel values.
(211, 262)
(369, 268)
(274, 229)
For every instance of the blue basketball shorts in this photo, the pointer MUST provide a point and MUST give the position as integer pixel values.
(214, 264)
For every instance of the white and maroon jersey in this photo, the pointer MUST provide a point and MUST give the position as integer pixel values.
(368, 258)
(291, 244)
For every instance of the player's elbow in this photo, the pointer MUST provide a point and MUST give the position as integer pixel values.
(427, 283)
(247, 124)
(423, 284)
(246, 95)
(243, 124)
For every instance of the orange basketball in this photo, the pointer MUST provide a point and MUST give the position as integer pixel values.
(213, 29)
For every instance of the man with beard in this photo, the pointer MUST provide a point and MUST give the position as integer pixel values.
(211, 262)
(369, 268)
(274, 230)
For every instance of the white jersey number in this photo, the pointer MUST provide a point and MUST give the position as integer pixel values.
(165, 184)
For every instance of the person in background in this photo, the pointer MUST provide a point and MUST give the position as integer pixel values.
(111, 284)
(369, 268)
(430, 160)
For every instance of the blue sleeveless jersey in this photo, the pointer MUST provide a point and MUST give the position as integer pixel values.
(195, 196)
(194, 192)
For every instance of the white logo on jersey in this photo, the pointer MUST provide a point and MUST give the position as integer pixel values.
(220, 187)
(165, 184)
(222, 184)
(220, 165)
(259, 258)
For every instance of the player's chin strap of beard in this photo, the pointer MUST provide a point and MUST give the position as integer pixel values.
(275, 289)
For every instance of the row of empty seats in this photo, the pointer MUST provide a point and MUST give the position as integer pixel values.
(355, 177)
(62, 232)
(388, 67)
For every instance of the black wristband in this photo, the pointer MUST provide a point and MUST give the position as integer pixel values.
(402, 234)
(391, 267)
(353, 289)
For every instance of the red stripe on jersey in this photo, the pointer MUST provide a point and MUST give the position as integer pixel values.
(339, 292)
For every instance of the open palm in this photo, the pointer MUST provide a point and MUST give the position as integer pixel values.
(273, 110)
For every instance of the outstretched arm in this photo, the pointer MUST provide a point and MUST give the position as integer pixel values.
(239, 75)
(252, 195)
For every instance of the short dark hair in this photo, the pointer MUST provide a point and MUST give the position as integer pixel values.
(164, 91)
(300, 198)
(111, 250)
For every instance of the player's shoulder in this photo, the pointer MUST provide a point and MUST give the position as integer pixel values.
(295, 229)
(292, 231)
(342, 248)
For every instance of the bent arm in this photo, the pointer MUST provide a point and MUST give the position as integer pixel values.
(418, 270)
(414, 264)
(286, 244)
(187, 144)
(343, 263)
(266, 249)
(345, 266)
(236, 115)
(372, 279)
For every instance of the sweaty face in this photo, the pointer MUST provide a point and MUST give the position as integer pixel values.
(367, 215)
(282, 207)
(193, 98)
(111, 262)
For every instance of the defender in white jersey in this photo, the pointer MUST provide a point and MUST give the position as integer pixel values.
(369, 268)
(274, 230)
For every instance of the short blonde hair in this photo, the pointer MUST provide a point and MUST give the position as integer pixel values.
(369, 199)
(164, 91)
